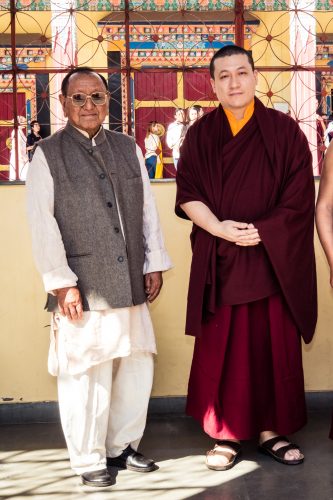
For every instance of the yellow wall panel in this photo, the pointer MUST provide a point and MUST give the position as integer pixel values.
(24, 337)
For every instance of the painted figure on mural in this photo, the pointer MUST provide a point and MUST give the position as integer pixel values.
(33, 138)
(175, 134)
(160, 167)
(153, 155)
(98, 245)
(250, 196)
(193, 113)
(22, 156)
(329, 131)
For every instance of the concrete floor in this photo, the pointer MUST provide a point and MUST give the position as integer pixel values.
(34, 465)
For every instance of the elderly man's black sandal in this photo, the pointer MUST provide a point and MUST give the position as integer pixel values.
(236, 447)
(267, 449)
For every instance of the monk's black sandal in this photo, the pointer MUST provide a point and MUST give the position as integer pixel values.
(267, 449)
(236, 447)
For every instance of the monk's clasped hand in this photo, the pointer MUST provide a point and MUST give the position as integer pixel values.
(240, 233)
(249, 240)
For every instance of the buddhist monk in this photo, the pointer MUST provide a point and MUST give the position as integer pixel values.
(245, 180)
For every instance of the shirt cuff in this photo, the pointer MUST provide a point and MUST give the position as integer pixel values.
(158, 260)
(59, 278)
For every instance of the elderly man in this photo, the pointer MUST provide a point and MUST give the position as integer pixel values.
(245, 180)
(98, 245)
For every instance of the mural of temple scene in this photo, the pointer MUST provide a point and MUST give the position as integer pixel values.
(324, 59)
(158, 62)
(31, 96)
(175, 51)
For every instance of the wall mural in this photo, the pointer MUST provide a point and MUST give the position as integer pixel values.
(155, 56)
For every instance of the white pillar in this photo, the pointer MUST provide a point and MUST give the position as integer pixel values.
(303, 85)
(63, 54)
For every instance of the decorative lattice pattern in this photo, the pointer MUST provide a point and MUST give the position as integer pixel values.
(155, 55)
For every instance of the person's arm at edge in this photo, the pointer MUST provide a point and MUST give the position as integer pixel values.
(324, 209)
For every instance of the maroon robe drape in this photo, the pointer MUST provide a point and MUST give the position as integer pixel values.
(262, 175)
(246, 375)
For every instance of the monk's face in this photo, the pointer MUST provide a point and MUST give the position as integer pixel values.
(90, 116)
(234, 83)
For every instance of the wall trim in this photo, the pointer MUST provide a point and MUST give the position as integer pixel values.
(48, 411)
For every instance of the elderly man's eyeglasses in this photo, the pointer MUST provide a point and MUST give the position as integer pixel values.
(97, 98)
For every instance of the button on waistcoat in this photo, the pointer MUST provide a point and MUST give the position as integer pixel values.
(90, 185)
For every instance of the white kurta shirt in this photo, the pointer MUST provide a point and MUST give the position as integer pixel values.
(100, 335)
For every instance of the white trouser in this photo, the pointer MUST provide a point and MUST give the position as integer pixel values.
(104, 409)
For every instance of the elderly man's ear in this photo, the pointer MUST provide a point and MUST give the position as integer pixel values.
(62, 99)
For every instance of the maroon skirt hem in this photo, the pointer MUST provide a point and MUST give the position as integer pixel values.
(247, 374)
(283, 431)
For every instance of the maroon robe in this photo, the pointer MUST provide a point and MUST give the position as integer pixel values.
(248, 305)
(262, 175)
(246, 375)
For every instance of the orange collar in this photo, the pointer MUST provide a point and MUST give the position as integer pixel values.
(237, 125)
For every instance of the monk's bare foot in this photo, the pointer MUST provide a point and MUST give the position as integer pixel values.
(290, 455)
(224, 454)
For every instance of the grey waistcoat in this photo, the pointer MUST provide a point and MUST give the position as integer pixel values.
(86, 180)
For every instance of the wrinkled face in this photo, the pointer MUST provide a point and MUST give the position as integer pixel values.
(179, 115)
(90, 116)
(193, 114)
(234, 82)
(36, 128)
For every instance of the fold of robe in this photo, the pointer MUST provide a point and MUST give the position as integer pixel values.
(262, 175)
(246, 375)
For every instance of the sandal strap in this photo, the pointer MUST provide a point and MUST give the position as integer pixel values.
(273, 441)
(236, 447)
(283, 450)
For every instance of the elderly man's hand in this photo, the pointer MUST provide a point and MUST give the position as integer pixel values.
(153, 285)
(70, 302)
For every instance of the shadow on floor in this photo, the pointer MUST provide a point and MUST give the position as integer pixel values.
(34, 465)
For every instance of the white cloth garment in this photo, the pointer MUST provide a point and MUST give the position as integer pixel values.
(131, 327)
(104, 362)
(151, 144)
(103, 410)
(175, 137)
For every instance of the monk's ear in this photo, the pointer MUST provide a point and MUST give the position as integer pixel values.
(62, 99)
(255, 72)
(212, 82)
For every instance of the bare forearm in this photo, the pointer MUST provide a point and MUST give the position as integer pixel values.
(241, 233)
(324, 209)
(324, 223)
(202, 216)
